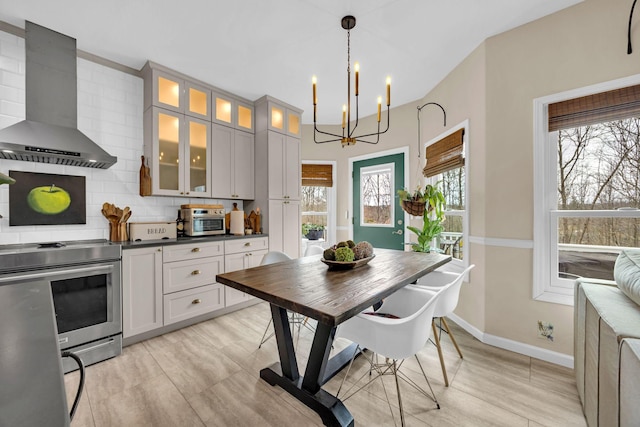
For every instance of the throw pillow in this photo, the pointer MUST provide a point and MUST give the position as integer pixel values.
(626, 272)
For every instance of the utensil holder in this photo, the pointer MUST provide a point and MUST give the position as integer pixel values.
(118, 232)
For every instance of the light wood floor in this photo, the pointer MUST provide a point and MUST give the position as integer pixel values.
(208, 375)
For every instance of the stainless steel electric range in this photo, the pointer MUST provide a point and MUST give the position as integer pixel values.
(85, 282)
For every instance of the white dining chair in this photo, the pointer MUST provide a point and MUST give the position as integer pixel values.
(447, 303)
(396, 331)
(313, 250)
(295, 319)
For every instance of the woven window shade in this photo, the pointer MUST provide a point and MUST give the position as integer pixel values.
(317, 175)
(601, 107)
(444, 155)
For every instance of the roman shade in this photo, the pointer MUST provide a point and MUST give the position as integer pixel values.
(317, 175)
(445, 154)
(615, 104)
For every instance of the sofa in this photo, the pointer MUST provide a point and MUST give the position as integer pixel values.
(607, 344)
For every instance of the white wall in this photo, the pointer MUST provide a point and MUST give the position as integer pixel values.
(110, 113)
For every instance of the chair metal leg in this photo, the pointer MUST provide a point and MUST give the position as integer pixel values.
(395, 374)
(446, 328)
(263, 339)
(433, 394)
(437, 340)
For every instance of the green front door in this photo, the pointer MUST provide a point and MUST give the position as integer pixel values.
(377, 216)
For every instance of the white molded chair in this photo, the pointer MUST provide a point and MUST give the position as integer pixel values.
(397, 330)
(273, 257)
(313, 250)
(447, 303)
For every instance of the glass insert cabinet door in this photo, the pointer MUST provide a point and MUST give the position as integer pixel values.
(183, 155)
(199, 157)
(169, 168)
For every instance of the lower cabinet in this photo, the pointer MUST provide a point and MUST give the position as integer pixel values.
(284, 227)
(166, 284)
(241, 254)
(141, 290)
(184, 305)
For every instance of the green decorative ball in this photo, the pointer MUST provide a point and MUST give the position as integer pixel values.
(344, 254)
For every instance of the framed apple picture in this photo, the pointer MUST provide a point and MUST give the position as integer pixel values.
(47, 199)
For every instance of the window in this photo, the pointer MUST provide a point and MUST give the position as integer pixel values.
(449, 171)
(318, 197)
(376, 193)
(587, 187)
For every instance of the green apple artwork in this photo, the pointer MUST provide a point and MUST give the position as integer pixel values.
(49, 200)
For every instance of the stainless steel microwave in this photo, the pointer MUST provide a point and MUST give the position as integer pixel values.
(203, 221)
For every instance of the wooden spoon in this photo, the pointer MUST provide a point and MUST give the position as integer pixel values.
(126, 213)
(126, 217)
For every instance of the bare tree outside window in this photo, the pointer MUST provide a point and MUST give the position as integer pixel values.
(598, 170)
(314, 205)
(377, 195)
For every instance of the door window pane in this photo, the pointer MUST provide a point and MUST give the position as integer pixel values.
(376, 193)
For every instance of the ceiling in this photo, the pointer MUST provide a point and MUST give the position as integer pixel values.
(257, 47)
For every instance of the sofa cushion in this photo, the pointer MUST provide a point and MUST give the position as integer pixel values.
(609, 318)
(629, 385)
(627, 274)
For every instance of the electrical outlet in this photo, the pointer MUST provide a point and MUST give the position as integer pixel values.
(545, 330)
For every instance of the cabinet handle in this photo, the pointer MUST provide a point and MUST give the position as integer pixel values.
(195, 272)
(196, 301)
(248, 244)
(195, 250)
(159, 249)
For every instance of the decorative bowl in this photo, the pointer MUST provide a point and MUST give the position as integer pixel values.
(347, 265)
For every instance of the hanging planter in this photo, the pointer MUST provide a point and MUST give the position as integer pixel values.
(413, 207)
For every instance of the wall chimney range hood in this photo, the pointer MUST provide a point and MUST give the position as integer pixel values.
(50, 132)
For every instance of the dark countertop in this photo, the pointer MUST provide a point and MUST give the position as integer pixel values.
(187, 239)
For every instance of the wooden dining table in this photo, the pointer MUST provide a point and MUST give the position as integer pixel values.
(308, 287)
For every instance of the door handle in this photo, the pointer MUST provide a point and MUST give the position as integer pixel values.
(398, 232)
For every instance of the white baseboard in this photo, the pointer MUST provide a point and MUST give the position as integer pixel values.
(515, 346)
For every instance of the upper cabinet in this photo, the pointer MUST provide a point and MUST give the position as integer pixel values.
(171, 92)
(278, 117)
(230, 111)
(179, 113)
(179, 149)
(233, 163)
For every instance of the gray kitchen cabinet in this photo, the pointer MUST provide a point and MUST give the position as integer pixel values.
(178, 114)
(229, 110)
(285, 166)
(188, 280)
(241, 254)
(278, 178)
(232, 163)
(279, 117)
(141, 290)
(178, 148)
(175, 92)
(285, 227)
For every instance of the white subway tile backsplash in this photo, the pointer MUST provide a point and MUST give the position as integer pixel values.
(110, 112)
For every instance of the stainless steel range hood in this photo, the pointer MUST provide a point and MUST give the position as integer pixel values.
(50, 132)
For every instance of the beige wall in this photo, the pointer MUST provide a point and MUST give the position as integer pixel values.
(494, 88)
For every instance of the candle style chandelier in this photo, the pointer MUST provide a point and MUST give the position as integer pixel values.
(347, 137)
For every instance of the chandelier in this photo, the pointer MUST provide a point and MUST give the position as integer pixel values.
(348, 137)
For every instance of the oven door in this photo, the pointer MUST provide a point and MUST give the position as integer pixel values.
(208, 226)
(86, 299)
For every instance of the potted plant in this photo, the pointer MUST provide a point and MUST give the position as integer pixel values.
(432, 215)
(312, 231)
